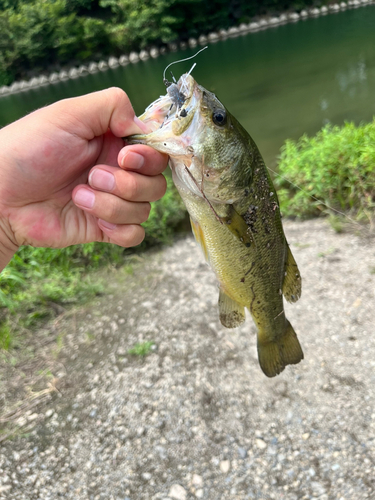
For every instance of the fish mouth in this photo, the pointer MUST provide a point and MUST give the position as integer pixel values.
(164, 110)
(172, 119)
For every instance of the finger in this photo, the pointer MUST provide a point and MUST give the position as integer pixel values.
(97, 112)
(123, 235)
(143, 159)
(109, 207)
(129, 186)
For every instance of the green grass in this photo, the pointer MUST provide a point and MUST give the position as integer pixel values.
(5, 336)
(40, 282)
(335, 168)
(141, 349)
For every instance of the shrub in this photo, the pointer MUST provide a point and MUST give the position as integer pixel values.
(336, 168)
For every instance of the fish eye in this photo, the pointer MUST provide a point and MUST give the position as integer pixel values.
(219, 117)
(183, 113)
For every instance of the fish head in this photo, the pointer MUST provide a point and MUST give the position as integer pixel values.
(194, 128)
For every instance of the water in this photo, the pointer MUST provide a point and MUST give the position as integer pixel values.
(279, 83)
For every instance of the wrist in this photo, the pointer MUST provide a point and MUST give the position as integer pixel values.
(7, 247)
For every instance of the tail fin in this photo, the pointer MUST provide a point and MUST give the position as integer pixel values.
(275, 355)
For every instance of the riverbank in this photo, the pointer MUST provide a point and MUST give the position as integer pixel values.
(259, 23)
(196, 418)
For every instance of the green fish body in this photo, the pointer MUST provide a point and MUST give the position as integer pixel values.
(234, 213)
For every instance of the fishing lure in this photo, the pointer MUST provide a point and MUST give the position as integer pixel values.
(176, 95)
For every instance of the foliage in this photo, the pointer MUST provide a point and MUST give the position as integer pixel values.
(138, 24)
(38, 33)
(39, 281)
(167, 215)
(334, 168)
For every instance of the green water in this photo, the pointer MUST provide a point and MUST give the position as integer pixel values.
(279, 83)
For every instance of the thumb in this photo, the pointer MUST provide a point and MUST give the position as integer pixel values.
(97, 112)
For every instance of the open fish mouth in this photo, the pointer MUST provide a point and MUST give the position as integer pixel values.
(175, 104)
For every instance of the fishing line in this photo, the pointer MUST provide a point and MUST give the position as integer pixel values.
(202, 193)
(314, 198)
(186, 59)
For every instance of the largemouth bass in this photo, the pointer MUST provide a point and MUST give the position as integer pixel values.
(234, 212)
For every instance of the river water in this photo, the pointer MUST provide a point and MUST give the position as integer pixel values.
(279, 83)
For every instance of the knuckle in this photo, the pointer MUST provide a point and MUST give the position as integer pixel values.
(132, 187)
(112, 210)
(117, 94)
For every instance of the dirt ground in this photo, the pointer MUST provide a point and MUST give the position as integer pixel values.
(196, 417)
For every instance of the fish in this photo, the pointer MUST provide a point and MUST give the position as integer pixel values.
(234, 212)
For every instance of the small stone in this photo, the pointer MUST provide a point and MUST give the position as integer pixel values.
(197, 481)
(49, 413)
(32, 417)
(93, 413)
(225, 466)
(305, 436)
(242, 452)
(260, 443)
(177, 492)
(199, 493)
(147, 476)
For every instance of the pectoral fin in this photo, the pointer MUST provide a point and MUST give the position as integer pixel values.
(237, 225)
(232, 314)
(292, 285)
(199, 236)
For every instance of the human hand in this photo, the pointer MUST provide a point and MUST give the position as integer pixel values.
(66, 177)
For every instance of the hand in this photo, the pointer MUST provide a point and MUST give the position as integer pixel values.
(66, 177)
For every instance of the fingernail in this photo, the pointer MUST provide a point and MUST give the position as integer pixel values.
(132, 161)
(85, 198)
(106, 224)
(101, 179)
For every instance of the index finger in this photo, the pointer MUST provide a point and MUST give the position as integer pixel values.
(93, 114)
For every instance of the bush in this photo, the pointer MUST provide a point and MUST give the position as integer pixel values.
(336, 167)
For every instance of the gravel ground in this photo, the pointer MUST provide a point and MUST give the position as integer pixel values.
(196, 418)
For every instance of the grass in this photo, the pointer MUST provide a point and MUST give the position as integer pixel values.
(141, 349)
(335, 168)
(41, 282)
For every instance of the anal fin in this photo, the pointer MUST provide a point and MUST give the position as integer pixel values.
(232, 314)
(292, 284)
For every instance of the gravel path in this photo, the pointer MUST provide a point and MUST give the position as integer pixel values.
(196, 418)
